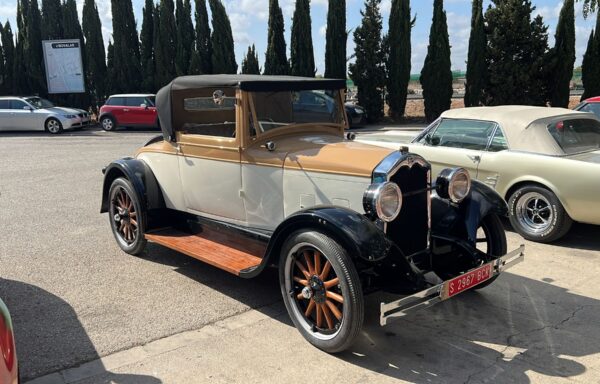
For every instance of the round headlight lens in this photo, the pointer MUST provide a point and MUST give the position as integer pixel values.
(384, 200)
(460, 185)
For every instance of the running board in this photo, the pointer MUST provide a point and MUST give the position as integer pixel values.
(233, 254)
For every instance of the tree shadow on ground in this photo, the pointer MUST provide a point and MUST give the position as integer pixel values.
(48, 334)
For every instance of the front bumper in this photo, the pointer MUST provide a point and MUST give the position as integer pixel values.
(437, 293)
(77, 122)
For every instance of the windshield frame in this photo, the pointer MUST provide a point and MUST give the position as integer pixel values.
(324, 126)
(43, 101)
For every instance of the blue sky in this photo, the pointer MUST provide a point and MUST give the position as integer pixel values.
(249, 23)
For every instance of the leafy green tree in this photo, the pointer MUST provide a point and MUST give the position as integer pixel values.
(302, 56)
(203, 50)
(516, 54)
(590, 75)
(476, 65)
(436, 76)
(52, 20)
(126, 48)
(276, 62)
(32, 51)
(8, 46)
(94, 51)
(223, 54)
(167, 44)
(335, 40)
(250, 63)
(398, 56)
(368, 71)
(147, 47)
(562, 57)
(185, 37)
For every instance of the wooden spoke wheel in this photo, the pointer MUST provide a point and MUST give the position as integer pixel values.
(126, 217)
(321, 290)
(491, 240)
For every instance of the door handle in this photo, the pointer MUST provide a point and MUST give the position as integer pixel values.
(474, 158)
(125, 110)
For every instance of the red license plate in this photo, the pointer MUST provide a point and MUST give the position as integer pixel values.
(468, 280)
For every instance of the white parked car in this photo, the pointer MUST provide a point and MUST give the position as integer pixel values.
(37, 114)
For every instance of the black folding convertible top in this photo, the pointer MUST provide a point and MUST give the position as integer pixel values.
(252, 83)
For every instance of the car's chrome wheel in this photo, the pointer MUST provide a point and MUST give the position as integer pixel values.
(126, 217)
(53, 126)
(321, 290)
(534, 212)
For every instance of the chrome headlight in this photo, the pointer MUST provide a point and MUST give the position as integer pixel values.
(383, 200)
(453, 184)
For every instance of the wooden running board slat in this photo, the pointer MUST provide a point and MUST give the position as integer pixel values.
(231, 254)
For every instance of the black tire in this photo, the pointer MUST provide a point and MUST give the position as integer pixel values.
(108, 123)
(492, 230)
(538, 215)
(53, 126)
(331, 329)
(126, 220)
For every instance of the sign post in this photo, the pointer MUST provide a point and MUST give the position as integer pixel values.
(64, 66)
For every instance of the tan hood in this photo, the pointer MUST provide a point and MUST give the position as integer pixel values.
(332, 154)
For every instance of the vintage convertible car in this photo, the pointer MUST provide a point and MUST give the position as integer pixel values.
(543, 161)
(242, 178)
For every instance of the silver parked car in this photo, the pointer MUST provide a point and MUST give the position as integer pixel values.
(36, 113)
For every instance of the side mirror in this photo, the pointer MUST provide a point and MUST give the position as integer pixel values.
(144, 106)
(28, 108)
(435, 140)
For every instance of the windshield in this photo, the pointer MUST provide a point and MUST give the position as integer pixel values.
(279, 109)
(39, 103)
(576, 135)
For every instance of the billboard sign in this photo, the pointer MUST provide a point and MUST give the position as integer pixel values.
(64, 67)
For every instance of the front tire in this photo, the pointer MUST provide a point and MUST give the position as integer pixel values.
(537, 214)
(127, 219)
(108, 124)
(321, 290)
(53, 126)
(491, 239)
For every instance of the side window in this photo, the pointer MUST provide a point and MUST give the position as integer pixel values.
(17, 104)
(498, 142)
(455, 133)
(116, 101)
(4, 104)
(211, 112)
(134, 101)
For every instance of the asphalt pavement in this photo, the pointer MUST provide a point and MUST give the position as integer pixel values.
(85, 312)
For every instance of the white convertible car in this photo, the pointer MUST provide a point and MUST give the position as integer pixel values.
(544, 161)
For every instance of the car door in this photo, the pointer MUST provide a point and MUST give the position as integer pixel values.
(5, 115)
(118, 109)
(491, 162)
(136, 114)
(455, 143)
(209, 162)
(23, 116)
(150, 116)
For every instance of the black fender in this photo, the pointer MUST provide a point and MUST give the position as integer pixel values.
(141, 177)
(453, 219)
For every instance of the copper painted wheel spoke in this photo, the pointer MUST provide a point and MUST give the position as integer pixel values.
(122, 227)
(310, 308)
(319, 316)
(133, 222)
(300, 296)
(325, 271)
(302, 269)
(133, 214)
(335, 296)
(334, 309)
(300, 281)
(311, 268)
(327, 313)
(317, 263)
(331, 283)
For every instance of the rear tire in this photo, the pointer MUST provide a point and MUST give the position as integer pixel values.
(321, 290)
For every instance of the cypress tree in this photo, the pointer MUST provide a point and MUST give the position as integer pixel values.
(590, 75)
(203, 50)
(147, 47)
(126, 48)
(476, 66)
(589, 6)
(335, 40)
(562, 57)
(516, 54)
(368, 71)
(3, 74)
(399, 55)
(94, 51)
(32, 51)
(72, 30)
(8, 45)
(276, 62)
(436, 76)
(158, 51)
(223, 53)
(167, 44)
(52, 20)
(195, 64)
(302, 57)
(185, 37)
(250, 64)
(112, 87)
(20, 81)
